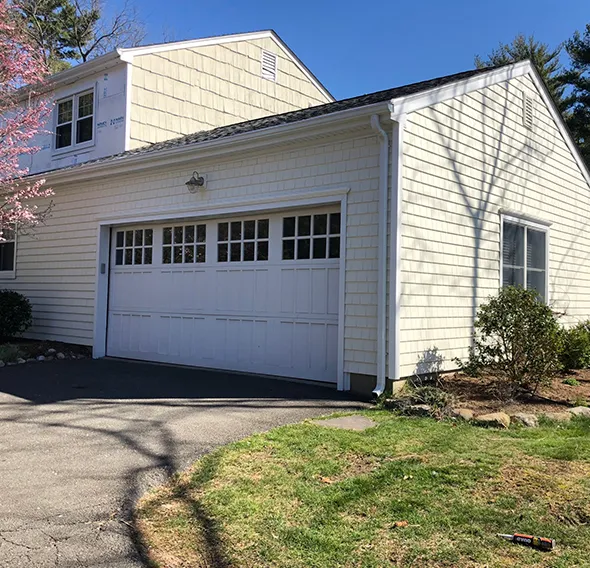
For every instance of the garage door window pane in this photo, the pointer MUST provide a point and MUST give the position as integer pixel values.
(305, 237)
(263, 229)
(288, 249)
(262, 253)
(133, 247)
(289, 227)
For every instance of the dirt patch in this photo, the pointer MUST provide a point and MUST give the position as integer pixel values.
(481, 395)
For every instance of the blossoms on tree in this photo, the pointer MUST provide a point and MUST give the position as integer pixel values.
(23, 113)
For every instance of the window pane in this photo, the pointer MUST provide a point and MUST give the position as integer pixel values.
(128, 256)
(6, 256)
(128, 238)
(263, 229)
(148, 237)
(85, 105)
(222, 232)
(138, 238)
(334, 251)
(513, 245)
(249, 229)
(167, 236)
(236, 230)
(64, 111)
(201, 233)
(303, 246)
(319, 248)
(535, 279)
(189, 234)
(138, 256)
(63, 136)
(289, 249)
(119, 238)
(535, 244)
(84, 130)
(177, 235)
(167, 255)
(177, 256)
(289, 227)
(335, 223)
(200, 253)
(222, 253)
(248, 250)
(320, 224)
(189, 254)
(119, 257)
(262, 253)
(513, 277)
(236, 252)
(147, 256)
(304, 225)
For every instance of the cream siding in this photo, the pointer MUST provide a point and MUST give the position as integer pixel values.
(187, 90)
(57, 268)
(464, 160)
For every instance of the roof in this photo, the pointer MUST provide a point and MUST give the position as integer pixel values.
(289, 117)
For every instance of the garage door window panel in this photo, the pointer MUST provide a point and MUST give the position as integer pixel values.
(184, 244)
(134, 246)
(242, 241)
(311, 237)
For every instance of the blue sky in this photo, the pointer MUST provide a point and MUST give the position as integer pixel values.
(356, 47)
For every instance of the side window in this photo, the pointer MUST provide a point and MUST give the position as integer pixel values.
(134, 246)
(524, 256)
(242, 241)
(75, 120)
(7, 251)
(311, 236)
(184, 244)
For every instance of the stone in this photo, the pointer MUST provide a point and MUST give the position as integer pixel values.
(2, 364)
(558, 416)
(51, 351)
(525, 419)
(60, 356)
(580, 411)
(31, 360)
(41, 358)
(419, 410)
(494, 420)
(462, 414)
(11, 363)
(354, 422)
(20, 361)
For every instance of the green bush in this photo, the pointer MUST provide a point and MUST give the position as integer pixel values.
(9, 353)
(570, 381)
(575, 348)
(518, 339)
(16, 315)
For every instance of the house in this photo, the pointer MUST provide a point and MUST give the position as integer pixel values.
(132, 97)
(349, 243)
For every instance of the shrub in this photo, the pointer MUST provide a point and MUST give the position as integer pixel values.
(575, 348)
(16, 315)
(472, 367)
(9, 353)
(517, 337)
(571, 382)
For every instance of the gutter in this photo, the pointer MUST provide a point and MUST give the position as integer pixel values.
(382, 256)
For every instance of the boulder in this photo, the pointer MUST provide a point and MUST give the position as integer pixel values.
(60, 356)
(41, 358)
(51, 351)
(31, 360)
(2, 363)
(20, 361)
(462, 414)
(558, 416)
(493, 420)
(525, 419)
(419, 410)
(580, 411)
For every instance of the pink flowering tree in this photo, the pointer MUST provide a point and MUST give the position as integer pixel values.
(23, 113)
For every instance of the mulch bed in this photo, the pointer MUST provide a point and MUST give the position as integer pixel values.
(481, 395)
(32, 348)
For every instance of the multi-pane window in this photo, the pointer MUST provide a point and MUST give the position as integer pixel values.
(311, 236)
(7, 250)
(239, 241)
(524, 257)
(134, 246)
(184, 244)
(75, 118)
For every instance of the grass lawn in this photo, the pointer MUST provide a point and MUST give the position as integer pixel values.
(305, 496)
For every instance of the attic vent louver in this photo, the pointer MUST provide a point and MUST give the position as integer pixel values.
(527, 111)
(269, 66)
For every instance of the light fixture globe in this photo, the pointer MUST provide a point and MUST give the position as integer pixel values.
(195, 182)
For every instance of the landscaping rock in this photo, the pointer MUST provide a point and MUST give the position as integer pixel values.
(31, 360)
(462, 414)
(20, 361)
(494, 420)
(41, 358)
(60, 356)
(558, 416)
(51, 351)
(580, 411)
(419, 410)
(11, 363)
(2, 363)
(525, 419)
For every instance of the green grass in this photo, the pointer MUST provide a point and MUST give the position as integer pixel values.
(305, 496)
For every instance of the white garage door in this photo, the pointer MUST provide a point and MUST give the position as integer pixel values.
(256, 293)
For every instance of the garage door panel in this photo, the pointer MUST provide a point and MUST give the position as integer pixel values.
(259, 313)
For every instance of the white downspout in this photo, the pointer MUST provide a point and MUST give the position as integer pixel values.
(382, 257)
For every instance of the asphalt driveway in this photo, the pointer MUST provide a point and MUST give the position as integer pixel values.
(80, 441)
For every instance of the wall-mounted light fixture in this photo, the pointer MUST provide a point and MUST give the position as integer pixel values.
(195, 182)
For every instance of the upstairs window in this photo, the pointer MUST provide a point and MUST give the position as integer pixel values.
(524, 256)
(7, 251)
(75, 120)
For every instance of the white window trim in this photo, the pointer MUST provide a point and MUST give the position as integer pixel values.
(74, 147)
(11, 274)
(527, 222)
